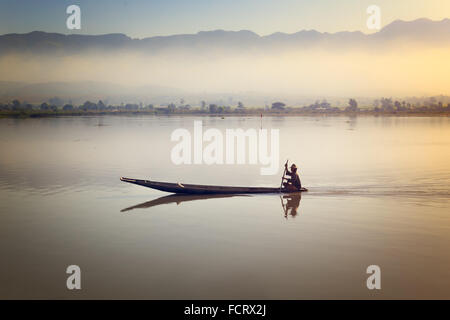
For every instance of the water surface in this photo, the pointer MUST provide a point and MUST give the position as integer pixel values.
(379, 194)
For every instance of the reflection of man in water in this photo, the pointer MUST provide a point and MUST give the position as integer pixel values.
(292, 204)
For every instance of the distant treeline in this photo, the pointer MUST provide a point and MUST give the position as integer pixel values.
(380, 106)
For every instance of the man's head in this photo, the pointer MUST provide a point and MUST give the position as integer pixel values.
(294, 168)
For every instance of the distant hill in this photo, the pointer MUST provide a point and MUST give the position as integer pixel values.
(420, 30)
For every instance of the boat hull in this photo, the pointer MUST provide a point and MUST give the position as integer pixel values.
(205, 189)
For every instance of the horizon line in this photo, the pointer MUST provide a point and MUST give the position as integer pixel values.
(223, 30)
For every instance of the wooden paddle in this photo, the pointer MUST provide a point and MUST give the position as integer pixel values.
(284, 172)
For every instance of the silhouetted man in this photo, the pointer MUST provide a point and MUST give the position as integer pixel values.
(292, 183)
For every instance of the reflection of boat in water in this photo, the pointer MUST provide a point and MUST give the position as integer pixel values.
(205, 189)
(178, 198)
(290, 208)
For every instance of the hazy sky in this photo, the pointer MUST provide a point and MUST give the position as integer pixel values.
(142, 18)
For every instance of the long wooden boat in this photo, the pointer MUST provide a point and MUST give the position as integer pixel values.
(205, 189)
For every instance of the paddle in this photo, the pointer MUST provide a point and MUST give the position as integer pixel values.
(284, 208)
(284, 172)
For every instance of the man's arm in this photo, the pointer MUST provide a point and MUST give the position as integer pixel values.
(289, 174)
(287, 171)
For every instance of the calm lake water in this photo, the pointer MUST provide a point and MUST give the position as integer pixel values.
(379, 195)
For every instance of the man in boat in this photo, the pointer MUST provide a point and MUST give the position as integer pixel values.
(293, 183)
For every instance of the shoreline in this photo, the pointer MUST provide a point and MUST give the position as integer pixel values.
(254, 113)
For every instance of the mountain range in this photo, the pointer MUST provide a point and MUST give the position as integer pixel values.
(419, 31)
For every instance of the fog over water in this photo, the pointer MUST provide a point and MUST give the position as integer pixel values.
(403, 71)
